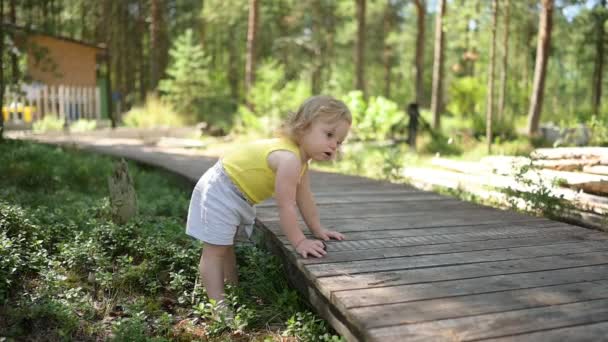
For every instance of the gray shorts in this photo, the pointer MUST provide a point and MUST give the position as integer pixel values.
(217, 209)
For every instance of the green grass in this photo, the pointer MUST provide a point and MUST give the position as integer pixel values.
(67, 272)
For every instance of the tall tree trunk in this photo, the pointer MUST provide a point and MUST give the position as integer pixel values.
(1, 74)
(542, 57)
(202, 26)
(599, 59)
(141, 61)
(330, 33)
(474, 55)
(505, 65)
(252, 30)
(436, 97)
(360, 48)
(419, 58)
(233, 65)
(128, 56)
(317, 60)
(490, 100)
(14, 58)
(387, 53)
(83, 21)
(156, 7)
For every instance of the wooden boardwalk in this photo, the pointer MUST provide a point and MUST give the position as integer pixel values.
(418, 266)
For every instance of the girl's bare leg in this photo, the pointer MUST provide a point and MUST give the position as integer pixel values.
(211, 268)
(230, 274)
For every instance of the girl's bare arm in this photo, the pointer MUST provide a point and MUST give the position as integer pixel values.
(288, 167)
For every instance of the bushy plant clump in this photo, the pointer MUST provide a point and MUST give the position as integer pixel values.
(68, 273)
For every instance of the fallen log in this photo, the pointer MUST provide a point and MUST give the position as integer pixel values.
(597, 188)
(570, 153)
(565, 164)
(455, 180)
(596, 169)
(428, 179)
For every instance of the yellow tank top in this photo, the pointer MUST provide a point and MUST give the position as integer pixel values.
(248, 168)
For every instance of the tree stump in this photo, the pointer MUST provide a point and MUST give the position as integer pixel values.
(123, 199)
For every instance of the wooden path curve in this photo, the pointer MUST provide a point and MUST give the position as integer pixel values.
(418, 266)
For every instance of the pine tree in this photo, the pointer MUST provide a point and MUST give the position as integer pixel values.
(188, 79)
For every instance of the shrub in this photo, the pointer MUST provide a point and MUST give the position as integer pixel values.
(83, 125)
(155, 112)
(272, 98)
(379, 119)
(50, 122)
(466, 96)
(188, 80)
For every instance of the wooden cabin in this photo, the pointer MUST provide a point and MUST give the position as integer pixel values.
(64, 77)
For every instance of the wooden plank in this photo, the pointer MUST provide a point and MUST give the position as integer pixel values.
(477, 304)
(383, 209)
(580, 333)
(462, 258)
(480, 213)
(327, 285)
(410, 237)
(498, 324)
(328, 199)
(427, 247)
(442, 223)
(463, 287)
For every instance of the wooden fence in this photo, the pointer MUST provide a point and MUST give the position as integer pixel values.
(65, 103)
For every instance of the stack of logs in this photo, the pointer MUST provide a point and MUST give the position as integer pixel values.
(577, 175)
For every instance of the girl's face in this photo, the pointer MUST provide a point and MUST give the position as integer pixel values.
(322, 139)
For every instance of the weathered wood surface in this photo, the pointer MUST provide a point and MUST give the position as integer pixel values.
(418, 266)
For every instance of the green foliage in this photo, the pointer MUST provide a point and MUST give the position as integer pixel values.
(21, 252)
(438, 143)
(130, 329)
(46, 319)
(539, 197)
(502, 128)
(65, 267)
(306, 327)
(50, 122)
(188, 81)
(83, 125)
(378, 119)
(272, 98)
(599, 131)
(155, 112)
(466, 96)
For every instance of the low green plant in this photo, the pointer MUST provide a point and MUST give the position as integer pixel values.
(538, 197)
(306, 327)
(466, 97)
(377, 118)
(83, 125)
(155, 112)
(50, 122)
(599, 131)
(65, 263)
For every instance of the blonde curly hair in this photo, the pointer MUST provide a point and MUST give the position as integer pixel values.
(323, 107)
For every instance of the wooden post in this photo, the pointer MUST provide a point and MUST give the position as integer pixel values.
(412, 111)
(98, 103)
(61, 102)
(123, 198)
(38, 101)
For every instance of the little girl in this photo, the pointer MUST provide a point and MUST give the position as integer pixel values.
(224, 197)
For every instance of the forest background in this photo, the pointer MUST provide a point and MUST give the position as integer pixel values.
(244, 65)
